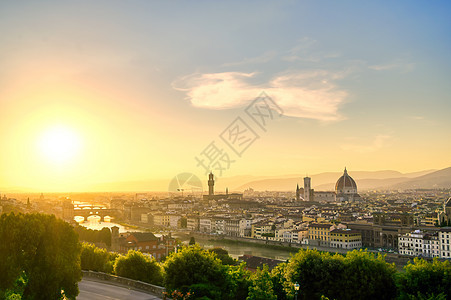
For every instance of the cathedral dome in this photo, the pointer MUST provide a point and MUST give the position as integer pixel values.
(346, 184)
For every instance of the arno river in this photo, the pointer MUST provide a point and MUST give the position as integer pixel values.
(234, 250)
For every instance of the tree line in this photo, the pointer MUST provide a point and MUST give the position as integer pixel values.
(41, 258)
(197, 273)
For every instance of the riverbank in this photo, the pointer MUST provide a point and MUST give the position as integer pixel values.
(254, 244)
(230, 243)
(238, 246)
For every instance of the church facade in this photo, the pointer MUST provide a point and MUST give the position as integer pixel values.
(345, 191)
(444, 217)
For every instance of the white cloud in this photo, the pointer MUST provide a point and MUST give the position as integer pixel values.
(379, 142)
(264, 58)
(400, 66)
(310, 94)
(305, 51)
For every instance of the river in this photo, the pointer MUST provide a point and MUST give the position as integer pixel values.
(237, 249)
(234, 250)
(94, 223)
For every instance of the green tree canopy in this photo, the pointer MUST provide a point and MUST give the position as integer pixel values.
(197, 270)
(223, 256)
(94, 236)
(316, 272)
(44, 251)
(358, 275)
(239, 281)
(262, 286)
(97, 259)
(138, 266)
(368, 277)
(425, 280)
(279, 282)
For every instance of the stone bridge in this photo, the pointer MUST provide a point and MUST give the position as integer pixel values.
(101, 212)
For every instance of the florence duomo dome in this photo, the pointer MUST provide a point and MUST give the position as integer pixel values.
(346, 188)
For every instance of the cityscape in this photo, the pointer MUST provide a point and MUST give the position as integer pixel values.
(225, 150)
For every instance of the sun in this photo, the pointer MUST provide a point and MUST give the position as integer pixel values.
(59, 144)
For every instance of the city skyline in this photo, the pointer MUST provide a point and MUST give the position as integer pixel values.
(124, 91)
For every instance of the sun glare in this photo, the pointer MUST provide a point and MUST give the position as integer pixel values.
(59, 144)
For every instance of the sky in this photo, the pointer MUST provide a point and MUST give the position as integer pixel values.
(109, 91)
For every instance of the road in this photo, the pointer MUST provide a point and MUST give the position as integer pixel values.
(95, 290)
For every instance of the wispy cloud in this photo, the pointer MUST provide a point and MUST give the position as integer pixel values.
(264, 58)
(416, 117)
(399, 66)
(304, 51)
(379, 141)
(309, 94)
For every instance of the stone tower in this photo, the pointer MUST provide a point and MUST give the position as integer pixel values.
(211, 184)
(115, 238)
(307, 188)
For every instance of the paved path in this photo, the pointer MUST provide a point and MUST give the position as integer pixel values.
(95, 290)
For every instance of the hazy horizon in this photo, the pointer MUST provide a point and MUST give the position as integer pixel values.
(161, 185)
(110, 91)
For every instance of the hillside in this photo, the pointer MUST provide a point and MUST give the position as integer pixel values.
(434, 180)
(365, 180)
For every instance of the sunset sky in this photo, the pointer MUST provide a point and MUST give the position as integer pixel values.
(106, 91)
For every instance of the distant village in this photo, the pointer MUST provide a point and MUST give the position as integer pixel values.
(411, 223)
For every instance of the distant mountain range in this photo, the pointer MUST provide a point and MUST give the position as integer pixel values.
(366, 180)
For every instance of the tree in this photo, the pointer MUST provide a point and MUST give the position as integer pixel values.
(192, 241)
(197, 270)
(239, 281)
(315, 272)
(105, 236)
(44, 251)
(361, 275)
(279, 281)
(262, 287)
(183, 222)
(223, 256)
(425, 280)
(138, 266)
(94, 236)
(367, 276)
(16, 292)
(96, 259)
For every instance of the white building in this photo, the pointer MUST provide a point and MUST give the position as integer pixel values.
(205, 225)
(282, 234)
(161, 220)
(231, 226)
(192, 223)
(419, 243)
(217, 225)
(245, 227)
(444, 237)
(174, 221)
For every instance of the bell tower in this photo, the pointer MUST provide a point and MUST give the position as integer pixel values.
(211, 184)
(307, 187)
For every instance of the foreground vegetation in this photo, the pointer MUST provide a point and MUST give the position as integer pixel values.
(194, 273)
(41, 258)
